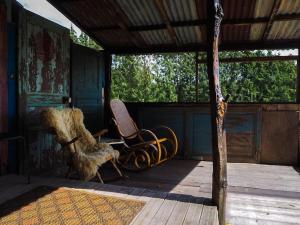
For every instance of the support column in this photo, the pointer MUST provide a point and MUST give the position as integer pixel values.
(197, 75)
(298, 78)
(3, 86)
(107, 88)
(298, 100)
(218, 108)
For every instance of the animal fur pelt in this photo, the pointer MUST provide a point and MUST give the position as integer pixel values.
(85, 154)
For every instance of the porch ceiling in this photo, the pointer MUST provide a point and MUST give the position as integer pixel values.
(180, 25)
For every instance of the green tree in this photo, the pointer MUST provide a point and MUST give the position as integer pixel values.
(83, 39)
(171, 78)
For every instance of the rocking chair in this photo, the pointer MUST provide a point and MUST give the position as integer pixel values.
(143, 148)
(83, 152)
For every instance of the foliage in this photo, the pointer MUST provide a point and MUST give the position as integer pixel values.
(171, 78)
(83, 39)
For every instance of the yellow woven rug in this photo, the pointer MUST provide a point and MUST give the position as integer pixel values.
(48, 205)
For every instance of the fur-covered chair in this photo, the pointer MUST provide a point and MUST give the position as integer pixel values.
(84, 153)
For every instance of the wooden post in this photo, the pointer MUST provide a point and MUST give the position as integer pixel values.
(298, 100)
(197, 75)
(3, 86)
(218, 108)
(298, 78)
(107, 88)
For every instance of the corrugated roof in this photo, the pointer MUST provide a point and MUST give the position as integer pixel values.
(175, 24)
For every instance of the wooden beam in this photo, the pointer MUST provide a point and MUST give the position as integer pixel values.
(238, 46)
(197, 75)
(269, 25)
(201, 22)
(256, 59)
(218, 107)
(116, 13)
(107, 87)
(59, 7)
(163, 13)
(201, 33)
(298, 78)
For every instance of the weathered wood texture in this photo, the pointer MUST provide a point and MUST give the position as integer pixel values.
(3, 86)
(246, 142)
(44, 69)
(87, 69)
(218, 108)
(298, 78)
(280, 137)
(258, 194)
(160, 208)
(270, 194)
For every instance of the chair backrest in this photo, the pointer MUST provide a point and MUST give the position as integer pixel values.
(125, 125)
(66, 125)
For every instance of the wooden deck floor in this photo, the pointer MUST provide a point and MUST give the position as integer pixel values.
(161, 208)
(178, 190)
(257, 194)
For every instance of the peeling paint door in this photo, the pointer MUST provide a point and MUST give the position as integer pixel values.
(43, 78)
(87, 85)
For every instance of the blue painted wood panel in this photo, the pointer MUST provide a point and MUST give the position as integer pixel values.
(43, 81)
(174, 118)
(12, 96)
(199, 133)
(87, 83)
(193, 128)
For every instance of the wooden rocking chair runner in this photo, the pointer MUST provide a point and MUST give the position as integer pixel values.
(143, 148)
(84, 153)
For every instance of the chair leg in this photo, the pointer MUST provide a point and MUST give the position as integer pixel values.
(116, 168)
(99, 177)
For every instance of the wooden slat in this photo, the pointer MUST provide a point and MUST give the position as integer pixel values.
(193, 214)
(164, 15)
(164, 212)
(269, 25)
(179, 212)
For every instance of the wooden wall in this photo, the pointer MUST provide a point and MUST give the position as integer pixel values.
(256, 133)
(44, 71)
(87, 69)
(280, 134)
(3, 85)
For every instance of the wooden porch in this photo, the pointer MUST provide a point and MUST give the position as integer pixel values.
(178, 190)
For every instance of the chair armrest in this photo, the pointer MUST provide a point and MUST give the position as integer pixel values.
(70, 142)
(100, 133)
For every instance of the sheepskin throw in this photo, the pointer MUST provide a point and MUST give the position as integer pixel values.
(86, 153)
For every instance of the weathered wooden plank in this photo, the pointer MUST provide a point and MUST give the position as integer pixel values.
(149, 210)
(277, 146)
(162, 215)
(179, 212)
(193, 214)
(218, 107)
(209, 215)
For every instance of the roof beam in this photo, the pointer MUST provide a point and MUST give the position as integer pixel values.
(202, 22)
(255, 59)
(163, 13)
(57, 5)
(118, 15)
(239, 46)
(200, 33)
(273, 14)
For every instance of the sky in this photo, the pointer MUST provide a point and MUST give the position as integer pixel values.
(45, 9)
